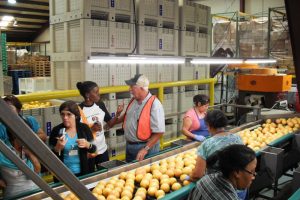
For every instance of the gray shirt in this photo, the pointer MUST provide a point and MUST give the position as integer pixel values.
(157, 120)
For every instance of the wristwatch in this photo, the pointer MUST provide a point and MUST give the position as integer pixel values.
(147, 148)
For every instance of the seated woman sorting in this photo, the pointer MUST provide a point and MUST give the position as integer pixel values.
(72, 140)
(193, 126)
(216, 122)
(236, 170)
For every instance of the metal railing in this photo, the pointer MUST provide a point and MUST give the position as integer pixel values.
(115, 89)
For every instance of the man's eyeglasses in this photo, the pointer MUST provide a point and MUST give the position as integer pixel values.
(252, 173)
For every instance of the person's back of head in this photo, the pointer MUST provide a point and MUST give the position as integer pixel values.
(216, 119)
(13, 100)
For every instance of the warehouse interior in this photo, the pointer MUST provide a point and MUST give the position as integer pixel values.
(239, 54)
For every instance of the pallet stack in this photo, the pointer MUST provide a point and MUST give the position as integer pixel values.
(85, 28)
(195, 39)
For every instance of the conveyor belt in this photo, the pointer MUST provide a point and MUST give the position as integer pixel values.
(296, 195)
(264, 180)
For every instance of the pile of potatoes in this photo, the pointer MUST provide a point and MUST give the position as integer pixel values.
(36, 104)
(154, 180)
(268, 132)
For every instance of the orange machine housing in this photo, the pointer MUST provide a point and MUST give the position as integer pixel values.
(264, 83)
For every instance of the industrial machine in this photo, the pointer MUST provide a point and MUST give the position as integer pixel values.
(261, 87)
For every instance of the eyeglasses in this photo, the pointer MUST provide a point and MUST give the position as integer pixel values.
(252, 173)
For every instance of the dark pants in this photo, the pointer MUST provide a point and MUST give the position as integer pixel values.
(133, 149)
(95, 162)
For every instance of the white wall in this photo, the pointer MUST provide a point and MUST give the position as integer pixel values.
(261, 6)
(44, 36)
(43, 48)
(222, 6)
(251, 6)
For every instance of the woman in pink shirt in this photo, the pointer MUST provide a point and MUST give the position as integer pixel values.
(193, 126)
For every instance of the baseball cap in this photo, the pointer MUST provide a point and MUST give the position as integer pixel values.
(139, 80)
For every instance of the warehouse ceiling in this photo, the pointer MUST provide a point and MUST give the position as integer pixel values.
(30, 18)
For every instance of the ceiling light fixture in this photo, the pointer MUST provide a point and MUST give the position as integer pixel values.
(144, 59)
(259, 61)
(4, 23)
(232, 61)
(136, 60)
(8, 18)
(216, 61)
(12, 1)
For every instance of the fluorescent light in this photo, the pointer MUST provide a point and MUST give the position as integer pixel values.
(230, 61)
(216, 61)
(8, 18)
(259, 61)
(136, 60)
(143, 59)
(12, 1)
(4, 23)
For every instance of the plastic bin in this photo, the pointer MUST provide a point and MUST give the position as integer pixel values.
(16, 74)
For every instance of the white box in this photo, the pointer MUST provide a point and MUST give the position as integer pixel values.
(203, 44)
(171, 128)
(185, 100)
(51, 117)
(161, 11)
(193, 72)
(157, 41)
(67, 74)
(159, 72)
(77, 40)
(194, 14)
(47, 117)
(194, 44)
(35, 84)
(151, 71)
(188, 43)
(170, 103)
(67, 10)
(37, 113)
(168, 73)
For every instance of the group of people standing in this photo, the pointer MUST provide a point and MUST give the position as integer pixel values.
(79, 141)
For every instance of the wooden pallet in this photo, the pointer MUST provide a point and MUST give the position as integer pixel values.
(41, 68)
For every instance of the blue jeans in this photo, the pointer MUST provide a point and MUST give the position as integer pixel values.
(133, 149)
